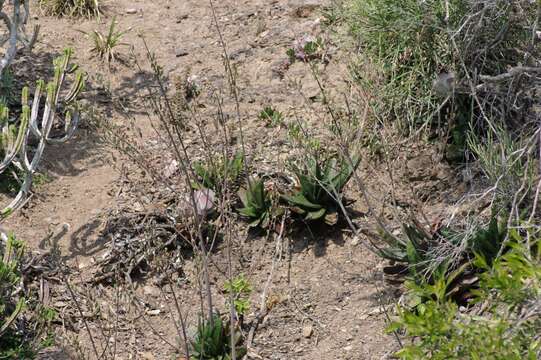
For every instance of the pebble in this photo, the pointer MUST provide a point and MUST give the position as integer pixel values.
(181, 52)
(307, 331)
(131, 11)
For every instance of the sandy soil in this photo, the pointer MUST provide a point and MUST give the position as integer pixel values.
(328, 294)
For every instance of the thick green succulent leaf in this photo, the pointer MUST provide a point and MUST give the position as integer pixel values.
(265, 220)
(316, 215)
(243, 196)
(342, 176)
(257, 189)
(248, 212)
(309, 186)
(255, 223)
(301, 201)
(393, 253)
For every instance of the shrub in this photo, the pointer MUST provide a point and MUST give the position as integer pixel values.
(508, 328)
(503, 160)
(38, 122)
(419, 48)
(427, 256)
(13, 343)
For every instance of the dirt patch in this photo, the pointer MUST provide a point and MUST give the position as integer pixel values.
(328, 294)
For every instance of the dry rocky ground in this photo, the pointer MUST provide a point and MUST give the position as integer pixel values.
(327, 292)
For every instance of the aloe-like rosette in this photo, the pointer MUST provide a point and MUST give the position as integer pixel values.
(256, 203)
(213, 341)
(321, 183)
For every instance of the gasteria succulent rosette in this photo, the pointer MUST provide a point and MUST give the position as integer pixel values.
(257, 204)
(321, 183)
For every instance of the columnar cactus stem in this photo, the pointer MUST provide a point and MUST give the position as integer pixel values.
(38, 121)
(16, 31)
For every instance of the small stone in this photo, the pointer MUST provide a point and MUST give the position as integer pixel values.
(356, 240)
(348, 348)
(131, 11)
(181, 53)
(147, 356)
(181, 17)
(307, 331)
(151, 291)
(171, 169)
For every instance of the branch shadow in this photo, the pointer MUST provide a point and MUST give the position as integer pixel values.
(79, 241)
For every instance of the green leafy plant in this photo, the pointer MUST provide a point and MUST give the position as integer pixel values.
(213, 341)
(240, 290)
(257, 204)
(321, 183)
(105, 44)
(72, 8)
(271, 117)
(12, 342)
(217, 172)
(504, 330)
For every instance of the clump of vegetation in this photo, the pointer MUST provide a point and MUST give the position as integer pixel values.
(72, 8)
(445, 255)
(506, 163)
(213, 341)
(239, 290)
(321, 183)
(509, 326)
(257, 204)
(419, 48)
(271, 117)
(17, 339)
(421, 249)
(38, 122)
(12, 342)
(218, 172)
(105, 45)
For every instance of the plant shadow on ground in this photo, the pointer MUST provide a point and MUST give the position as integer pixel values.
(318, 235)
(124, 98)
(81, 244)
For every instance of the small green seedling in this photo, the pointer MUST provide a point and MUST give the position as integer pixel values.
(271, 117)
(105, 44)
(240, 290)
